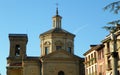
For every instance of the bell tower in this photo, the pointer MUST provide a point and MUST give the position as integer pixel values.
(17, 53)
(18, 45)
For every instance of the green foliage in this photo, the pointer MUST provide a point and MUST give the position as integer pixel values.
(115, 7)
(110, 28)
(115, 27)
(114, 22)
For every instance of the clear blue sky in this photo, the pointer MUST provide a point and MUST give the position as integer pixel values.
(84, 18)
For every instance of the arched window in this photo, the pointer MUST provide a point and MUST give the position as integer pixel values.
(17, 50)
(58, 44)
(46, 47)
(61, 73)
(46, 50)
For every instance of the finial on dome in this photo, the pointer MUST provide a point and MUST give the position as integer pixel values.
(57, 19)
(56, 8)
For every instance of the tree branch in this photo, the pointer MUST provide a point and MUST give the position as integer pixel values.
(115, 7)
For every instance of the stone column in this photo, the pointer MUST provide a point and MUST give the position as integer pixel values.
(114, 54)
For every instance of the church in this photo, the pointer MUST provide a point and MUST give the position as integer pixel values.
(57, 53)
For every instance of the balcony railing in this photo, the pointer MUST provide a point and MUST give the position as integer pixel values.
(90, 62)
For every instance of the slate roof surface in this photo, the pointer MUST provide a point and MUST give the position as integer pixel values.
(57, 30)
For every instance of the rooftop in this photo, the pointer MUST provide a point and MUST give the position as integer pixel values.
(57, 30)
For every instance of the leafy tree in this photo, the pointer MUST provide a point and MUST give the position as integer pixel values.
(113, 7)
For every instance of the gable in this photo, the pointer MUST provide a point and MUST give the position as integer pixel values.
(61, 54)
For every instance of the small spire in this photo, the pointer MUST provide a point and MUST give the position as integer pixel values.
(57, 19)
(57, 9)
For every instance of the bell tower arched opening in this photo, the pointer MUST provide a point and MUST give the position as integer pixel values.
(17, 50)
